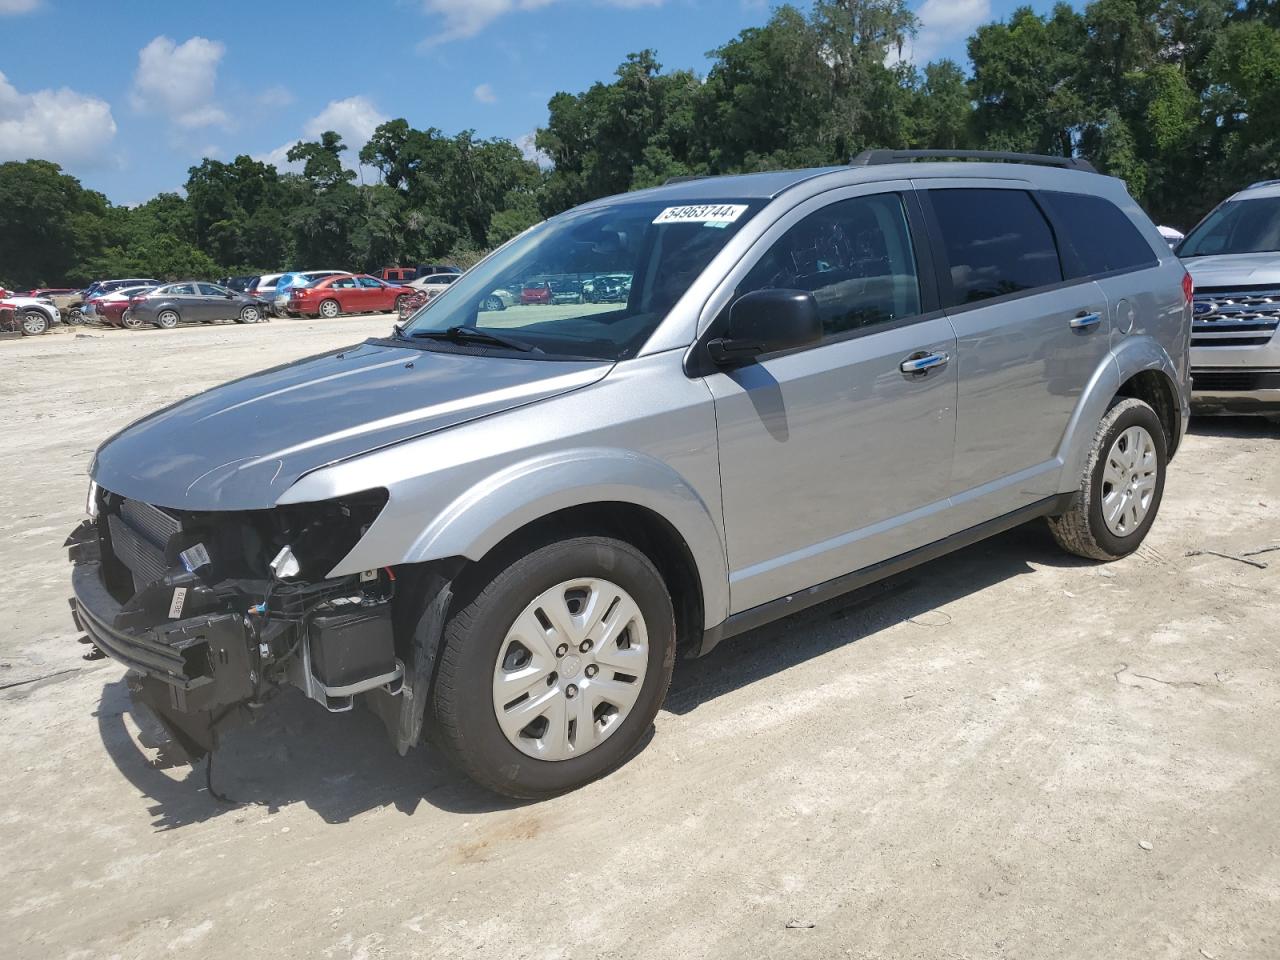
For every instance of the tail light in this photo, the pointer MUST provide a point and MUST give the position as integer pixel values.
(136, 299)
(1188, 288)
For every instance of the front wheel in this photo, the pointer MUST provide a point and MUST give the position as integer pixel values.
(34, 323)
(75, 317)
(1121, 488)
(250, 314)
(552, 672)
(167, 319)
(494, 304)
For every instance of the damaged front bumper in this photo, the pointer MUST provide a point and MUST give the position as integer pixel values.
(241, 640)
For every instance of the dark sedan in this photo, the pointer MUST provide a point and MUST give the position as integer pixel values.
(194, 301)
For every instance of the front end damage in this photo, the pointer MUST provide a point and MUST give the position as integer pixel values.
(215, 612)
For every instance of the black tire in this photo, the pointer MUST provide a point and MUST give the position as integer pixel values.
(249, 314)
(75, 317)
(494, 304)
(400, 304)
(33, 323)
(1082, 530)
(129, 321)
(330, 309)
(167, 319)
(465, 725)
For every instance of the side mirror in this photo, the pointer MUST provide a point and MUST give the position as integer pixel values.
(765, 321)
(229, 295)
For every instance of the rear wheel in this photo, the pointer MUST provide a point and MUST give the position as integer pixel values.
(127, 319)
(552, 672)
(1121, 488)
(329, 309)
(34, 323)
(167, 319)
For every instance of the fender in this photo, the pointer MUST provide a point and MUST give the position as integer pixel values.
(491, 510)
(1129, 358)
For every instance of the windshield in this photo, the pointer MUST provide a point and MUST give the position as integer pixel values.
(548, 289)
(1240, 226)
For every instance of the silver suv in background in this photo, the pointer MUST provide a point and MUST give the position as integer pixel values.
(500, 527)
(1233, 256)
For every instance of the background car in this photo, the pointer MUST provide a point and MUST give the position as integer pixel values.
(436, 283)
(263, 287)
(535, 291)
(239, 284)
(607, 288)
(566, 291)
(110, 308)
(431, 269)
(331, 296)
(107, 286)
(33, 315)
(397, 274)
(62, 297)
(1172, 236)
(287, 281)
(193, 301)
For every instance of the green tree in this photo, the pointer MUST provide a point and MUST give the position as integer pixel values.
(48, 222)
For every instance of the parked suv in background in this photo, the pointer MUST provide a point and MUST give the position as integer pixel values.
(1234, 257)
(504, 525)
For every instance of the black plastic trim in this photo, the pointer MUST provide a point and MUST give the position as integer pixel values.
(872, 158)
(793, 603)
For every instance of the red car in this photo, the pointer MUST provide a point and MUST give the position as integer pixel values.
(344, 293)
(535, 291)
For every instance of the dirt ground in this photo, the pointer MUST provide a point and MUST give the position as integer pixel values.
(1006, 753)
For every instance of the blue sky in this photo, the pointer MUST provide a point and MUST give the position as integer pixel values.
(127, 95)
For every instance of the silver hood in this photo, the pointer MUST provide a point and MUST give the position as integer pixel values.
(1226, 270)
(241, 445)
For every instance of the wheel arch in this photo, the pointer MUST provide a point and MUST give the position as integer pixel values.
(1141, 368)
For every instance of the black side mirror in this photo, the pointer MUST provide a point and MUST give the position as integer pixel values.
(229, 295)
(765, 321)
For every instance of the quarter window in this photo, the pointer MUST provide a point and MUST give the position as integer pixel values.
(997, 242)
(854, 256)
(1097, 237)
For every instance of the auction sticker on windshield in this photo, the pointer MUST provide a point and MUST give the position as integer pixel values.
(702, 213)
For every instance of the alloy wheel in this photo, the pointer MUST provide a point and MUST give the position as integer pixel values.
(1129, 481)
(329, 309)
(167, 320)
(34, 323)
(570, 669)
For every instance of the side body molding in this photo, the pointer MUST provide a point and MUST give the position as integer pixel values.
(489, 511)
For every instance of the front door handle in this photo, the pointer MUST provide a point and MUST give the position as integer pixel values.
(919, 363)
(1086, 321)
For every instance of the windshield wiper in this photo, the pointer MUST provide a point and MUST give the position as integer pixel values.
(472, 335)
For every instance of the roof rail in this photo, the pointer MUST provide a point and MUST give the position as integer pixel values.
(1262, 183)
(871, 158)
(684, 178)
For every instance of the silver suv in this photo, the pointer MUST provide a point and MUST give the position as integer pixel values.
(500, 527)
(1233, 256)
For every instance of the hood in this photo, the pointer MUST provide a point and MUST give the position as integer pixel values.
(241, 445)
(1227, 270)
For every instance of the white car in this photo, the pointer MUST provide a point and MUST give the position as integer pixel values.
(1172, 236)
(35, 315)
(435, 284)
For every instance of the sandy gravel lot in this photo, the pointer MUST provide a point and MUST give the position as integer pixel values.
(1006, 753)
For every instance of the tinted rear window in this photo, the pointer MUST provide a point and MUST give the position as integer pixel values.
(1098, 236)
(997, 242)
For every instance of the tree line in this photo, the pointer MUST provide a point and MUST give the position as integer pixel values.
(1180, 98)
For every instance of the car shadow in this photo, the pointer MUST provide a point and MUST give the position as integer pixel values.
(1229, 427)
(343, 765)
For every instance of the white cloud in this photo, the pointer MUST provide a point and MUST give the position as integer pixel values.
(529, 150)
(942, 23)
(466, 18)
(178, 80)
(11, 8)
(277, 96)
(355, 118)
(59, 125)
(484, 94)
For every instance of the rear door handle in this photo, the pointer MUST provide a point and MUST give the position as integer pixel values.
(924, 362)
(1086, 321)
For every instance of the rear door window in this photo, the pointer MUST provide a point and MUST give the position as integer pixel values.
(997, 242)
(1096, 236)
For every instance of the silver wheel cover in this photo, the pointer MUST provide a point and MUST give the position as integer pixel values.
(1129, 481)
(329, 309)
(34, 323)
(570, 669)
